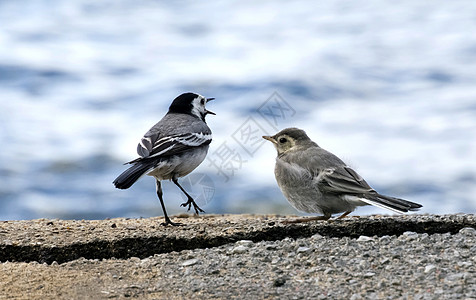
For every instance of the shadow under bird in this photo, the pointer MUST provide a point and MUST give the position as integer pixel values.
(172, 148)
(316, 181)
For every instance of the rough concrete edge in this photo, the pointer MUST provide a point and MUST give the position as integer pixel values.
(148, 245)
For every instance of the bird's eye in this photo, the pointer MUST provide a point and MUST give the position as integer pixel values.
(283, 140)
(202, 101)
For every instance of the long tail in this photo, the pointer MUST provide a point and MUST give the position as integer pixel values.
(394, 204)
(131, 175)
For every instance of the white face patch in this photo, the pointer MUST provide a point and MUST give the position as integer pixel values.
(198, 106)
(284, 143)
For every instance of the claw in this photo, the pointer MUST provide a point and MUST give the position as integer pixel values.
(191, 202)
(303, 220)
(169, 222)
(185, 204)
(197, 209)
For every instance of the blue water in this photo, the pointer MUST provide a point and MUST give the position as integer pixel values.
(390, 88)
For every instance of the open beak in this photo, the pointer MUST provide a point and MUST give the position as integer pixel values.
(207, 111)
(269, 138)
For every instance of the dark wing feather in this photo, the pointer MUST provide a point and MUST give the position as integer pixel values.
(153, 146)
(344, 180)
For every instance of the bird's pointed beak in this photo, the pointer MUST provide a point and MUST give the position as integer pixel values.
(269, 138)
(207, 111)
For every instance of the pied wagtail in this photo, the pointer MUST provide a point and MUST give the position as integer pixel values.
(172, 148)
(316, 181)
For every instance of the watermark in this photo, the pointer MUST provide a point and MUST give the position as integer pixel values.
(249, 136)
(227, 159)
(276, 110)
(200, 186)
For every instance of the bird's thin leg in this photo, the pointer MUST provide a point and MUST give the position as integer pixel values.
(303, 220)
(344, 215)
(158, 188)
(190, 200)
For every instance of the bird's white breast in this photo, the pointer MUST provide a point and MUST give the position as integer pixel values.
(179, 166)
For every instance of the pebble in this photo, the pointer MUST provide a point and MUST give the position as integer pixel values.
(355, 297)
(271, 247)
(328, 270)
(384, 260)
(468, 231)
(245, 243)
(454, 277)
(303, 249)
(430, 268)
(190, 262)
(465, 264)
(409, 235)
(364, 238)
(239, 249)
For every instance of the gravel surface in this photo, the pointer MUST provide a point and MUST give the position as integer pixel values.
(306, 261)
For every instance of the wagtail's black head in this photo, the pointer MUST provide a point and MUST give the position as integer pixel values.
(192, 104)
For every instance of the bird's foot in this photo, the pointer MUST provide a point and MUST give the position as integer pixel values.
(191, 202)
(303, 220)
(169, 222)
(343, 215)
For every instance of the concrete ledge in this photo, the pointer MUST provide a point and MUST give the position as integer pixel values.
(103, 258)
(47, 241)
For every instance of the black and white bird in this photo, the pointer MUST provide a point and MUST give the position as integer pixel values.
(172, 148)
(316, 181)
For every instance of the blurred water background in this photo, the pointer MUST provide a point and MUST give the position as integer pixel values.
(388, 86)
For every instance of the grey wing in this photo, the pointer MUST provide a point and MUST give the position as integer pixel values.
(333, 176)
(155, 145)
(347, 181)
(174, 134)
(343, 179)
(329, 172)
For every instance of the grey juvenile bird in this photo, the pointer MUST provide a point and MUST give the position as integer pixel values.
(172, 148)
(316, 181)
